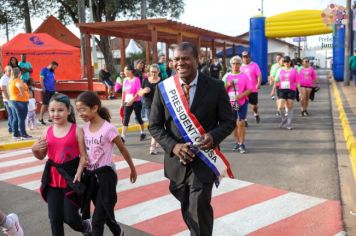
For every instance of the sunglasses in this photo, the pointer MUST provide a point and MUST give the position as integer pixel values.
(154, 72)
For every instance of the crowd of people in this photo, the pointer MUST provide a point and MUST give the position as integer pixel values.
(190, 112)
(18, 95)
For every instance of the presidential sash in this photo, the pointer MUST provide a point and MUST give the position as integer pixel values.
(190, 128)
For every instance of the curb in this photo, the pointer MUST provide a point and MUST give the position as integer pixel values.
(29, 143)
(348, 134)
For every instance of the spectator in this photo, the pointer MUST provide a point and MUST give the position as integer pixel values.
(139, 69)
(18, 91)
(4, 83)
(31, 114)
(148, 90)
(170, 69)
(352, 63)
(13, 62)
(104, 76)
(26, 69)
(162, 67)
(215, 68)
(48, 84)
(204, 68)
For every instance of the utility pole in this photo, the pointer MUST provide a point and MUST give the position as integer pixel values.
(347, 45)
(262, 7)
(81, 16)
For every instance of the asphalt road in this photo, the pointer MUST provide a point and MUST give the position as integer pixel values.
(302, 160)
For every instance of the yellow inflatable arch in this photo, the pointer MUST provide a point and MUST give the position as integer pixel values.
(296, 24)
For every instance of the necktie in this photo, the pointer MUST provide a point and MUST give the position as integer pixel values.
(186, 88)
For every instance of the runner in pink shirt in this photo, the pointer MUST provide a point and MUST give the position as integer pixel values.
(238, 87)
(287, 77)
(131, 100)
(254, 73)
(308, 81)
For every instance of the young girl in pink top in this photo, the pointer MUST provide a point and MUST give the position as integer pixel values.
(64, 144)
(308, 81)
(287, 77)
(100, 178)
(131, 101)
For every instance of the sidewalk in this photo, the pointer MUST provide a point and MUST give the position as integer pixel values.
(344, 117)
(112, 105)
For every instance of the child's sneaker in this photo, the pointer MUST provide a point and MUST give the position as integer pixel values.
(87, 227)
(15, 229)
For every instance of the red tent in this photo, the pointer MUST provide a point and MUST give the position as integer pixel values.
(41, 49)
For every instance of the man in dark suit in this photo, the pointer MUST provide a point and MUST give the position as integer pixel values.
(191, 180)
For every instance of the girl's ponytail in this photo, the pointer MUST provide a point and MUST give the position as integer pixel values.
(104, 113)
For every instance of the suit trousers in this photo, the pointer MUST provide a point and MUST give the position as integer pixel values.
(195, 198)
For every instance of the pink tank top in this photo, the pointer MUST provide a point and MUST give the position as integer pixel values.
(61, 150)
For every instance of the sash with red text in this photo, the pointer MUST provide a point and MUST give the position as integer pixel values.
(190, 128)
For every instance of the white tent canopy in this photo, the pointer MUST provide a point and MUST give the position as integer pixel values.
(132, 48)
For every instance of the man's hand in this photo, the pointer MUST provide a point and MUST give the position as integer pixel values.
(207, 142)
(183, 152)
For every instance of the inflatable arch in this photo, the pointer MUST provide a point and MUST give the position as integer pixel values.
(293, 24)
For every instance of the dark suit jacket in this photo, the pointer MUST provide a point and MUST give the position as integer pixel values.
(211, 107)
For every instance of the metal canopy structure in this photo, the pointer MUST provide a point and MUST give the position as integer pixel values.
(152, 31)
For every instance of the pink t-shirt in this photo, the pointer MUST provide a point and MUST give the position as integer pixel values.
(307, 77)
(242, 83)
(99, 145)
(253, 71)
(130, 89)
(288, 79)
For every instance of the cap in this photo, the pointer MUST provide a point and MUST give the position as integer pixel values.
(245, 53)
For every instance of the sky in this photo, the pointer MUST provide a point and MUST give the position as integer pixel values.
(229, 17)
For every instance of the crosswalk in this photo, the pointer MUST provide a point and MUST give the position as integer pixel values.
(240, 207)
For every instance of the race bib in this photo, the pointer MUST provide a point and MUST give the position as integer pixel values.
(232, 95)
(285, 85)
(128, 97)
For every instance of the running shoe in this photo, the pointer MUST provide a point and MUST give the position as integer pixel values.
(87, 227)
(242, 148)
(153, 150)
(278, 113)
(142, 137)
(15, 229)
(42, 122)
(283, 123)
(26, 136)
(236, 147)
(122, 139)
(306, 113)
(258, 119)
(302, 113)
(16, 137)
(289, 127)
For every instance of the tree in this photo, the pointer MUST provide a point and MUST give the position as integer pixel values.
(110, 10)
(16, 12)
